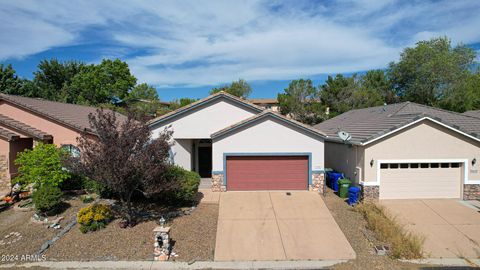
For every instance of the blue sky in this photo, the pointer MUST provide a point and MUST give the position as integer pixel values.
(184, 48)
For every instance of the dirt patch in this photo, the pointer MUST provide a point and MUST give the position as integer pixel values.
(354, 227)
(32, 235)
(195, 234)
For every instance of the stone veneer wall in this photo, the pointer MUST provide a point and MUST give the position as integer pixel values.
(471, 192)
(370, 193)
(4, 177)
(217, 182)
(318, 182)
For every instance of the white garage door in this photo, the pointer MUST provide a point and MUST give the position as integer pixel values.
(420, 180)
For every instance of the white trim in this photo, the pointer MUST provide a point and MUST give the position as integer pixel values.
(419, 120)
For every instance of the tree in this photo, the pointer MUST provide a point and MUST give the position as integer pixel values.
(42, 165)
(377, 83)
(465, 96)
(337, 93)
(143, 91)
(431, 71)
(54, 77)
(238, 88)
(300, 100)
(108, 82)
(124, 158)
(143, 101)
(9, 81)
(178, 103)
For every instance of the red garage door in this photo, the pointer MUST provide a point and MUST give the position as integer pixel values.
(267, 172)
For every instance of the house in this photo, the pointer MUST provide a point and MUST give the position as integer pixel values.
(242, 146)
(406, 151)
(267, 103)
(27, 121)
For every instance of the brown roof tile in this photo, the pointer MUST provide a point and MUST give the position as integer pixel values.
(369, 123)
(473, 113)
(71, 115)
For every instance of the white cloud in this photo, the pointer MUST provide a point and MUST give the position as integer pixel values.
(211, 42)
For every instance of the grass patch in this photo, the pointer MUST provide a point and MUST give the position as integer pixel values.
(404, 244)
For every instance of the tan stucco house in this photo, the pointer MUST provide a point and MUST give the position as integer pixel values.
(406, 151)
(242, 146)
(26, 121)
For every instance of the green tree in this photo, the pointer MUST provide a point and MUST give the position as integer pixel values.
(108, 82)
(238, 88)
(300, 100)
(143, 91)
(9, 81)
(54, 77)
(377, 83)
(465, 96)
(431, 71)
(41, 165)
(337, 93)
(143, 101)
(178, 103)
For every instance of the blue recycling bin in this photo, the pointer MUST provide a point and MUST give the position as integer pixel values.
(332, 180)
(353, 195)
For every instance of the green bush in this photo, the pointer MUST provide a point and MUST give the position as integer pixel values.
(41, 165)
(94, 217)
(188, 183)
(47, 198)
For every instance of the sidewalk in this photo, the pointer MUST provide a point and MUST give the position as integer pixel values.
(274, 265)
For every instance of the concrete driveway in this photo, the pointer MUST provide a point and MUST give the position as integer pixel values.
(451, 229)
(276, 226)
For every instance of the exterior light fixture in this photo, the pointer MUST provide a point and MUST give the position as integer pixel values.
(162, 221)
(474, 161)
(371, 162)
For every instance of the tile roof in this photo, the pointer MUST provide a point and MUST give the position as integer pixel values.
(8, 135)
(263, 100)
(71, 115)
(203, 101)
(473, 113)
(23, 128)
(264, 114)
(367, 124)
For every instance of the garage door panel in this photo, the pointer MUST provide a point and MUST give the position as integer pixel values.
(417, 183)
(267, 172)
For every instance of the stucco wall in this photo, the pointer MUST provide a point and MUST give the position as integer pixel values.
(4, 172)
(268, 135)
(425, 140)
(182, 153)
(61, 134)
(345, 158)
(201, 122)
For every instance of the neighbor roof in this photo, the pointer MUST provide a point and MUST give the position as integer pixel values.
(366, 125)
(71, 115)
(473, 113)
(264, 114)
(206, 100)
(23, 128)
(263, 100)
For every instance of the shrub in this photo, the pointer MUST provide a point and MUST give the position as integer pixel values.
(188, 183)
(47, 198)
(41, 165)
(404, 245)
(94, 217)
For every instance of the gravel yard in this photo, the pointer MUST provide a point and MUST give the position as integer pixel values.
(31, 236)
(194, 235)
(353, 226)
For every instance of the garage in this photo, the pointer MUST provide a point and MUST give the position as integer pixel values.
(267, 172)
(425, 180)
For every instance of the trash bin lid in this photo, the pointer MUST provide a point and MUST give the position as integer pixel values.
(344, 181)
(354, 189)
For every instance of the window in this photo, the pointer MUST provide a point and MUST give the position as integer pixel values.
(403, 165)
(71, 149)
(414, 166)
(383, 166)
(423, 165)
(455, 165)
(434, 165)
(445, 165)
(393, 166)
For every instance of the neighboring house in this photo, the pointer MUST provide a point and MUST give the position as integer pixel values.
(473, 113)
(406, 150)
(242, 146)
(27, 121)
(267, 103)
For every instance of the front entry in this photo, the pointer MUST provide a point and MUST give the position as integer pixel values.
(205, 161)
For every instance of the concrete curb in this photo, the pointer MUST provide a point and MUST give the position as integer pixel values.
(447, 262)
(274, 265)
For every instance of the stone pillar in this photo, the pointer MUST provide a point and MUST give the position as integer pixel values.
(217, 183)
(370, 193)
(5, 184)
(161, 246)
(471, 192)
(318, 182)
